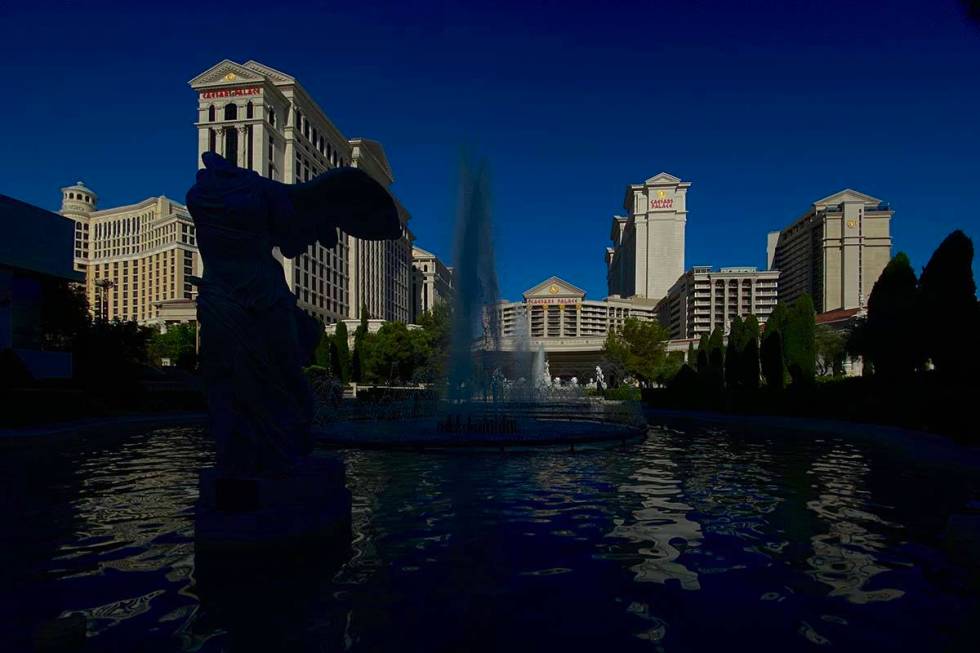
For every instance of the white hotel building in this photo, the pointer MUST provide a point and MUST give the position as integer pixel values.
(264, 120)
(138, 259)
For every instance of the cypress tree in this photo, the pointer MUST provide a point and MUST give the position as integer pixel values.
(948, 300)
(771, 354)
(363, 326)
(356, 364)
(893, 340)
(749, 354)
(335, 368)
(321, 355)
(716, 361)
(343, 353)
(799, 348)
(733, 354)
(702, 358)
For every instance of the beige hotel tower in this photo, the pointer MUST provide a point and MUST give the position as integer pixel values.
(647, 255)
(835, 251)
(263, 119)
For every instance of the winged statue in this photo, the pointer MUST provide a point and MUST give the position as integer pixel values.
(254, 339)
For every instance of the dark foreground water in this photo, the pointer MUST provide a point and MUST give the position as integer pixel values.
(693, 540)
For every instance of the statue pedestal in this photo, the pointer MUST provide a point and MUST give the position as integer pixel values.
(308, 508)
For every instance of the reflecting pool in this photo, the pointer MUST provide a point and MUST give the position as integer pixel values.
(694, 539)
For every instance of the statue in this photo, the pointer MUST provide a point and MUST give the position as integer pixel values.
(599, 379)
(254, 339)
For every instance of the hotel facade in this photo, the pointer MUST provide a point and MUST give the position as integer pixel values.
(835, 251)
(264, 120)
(704, 299)
(432, 282)
(556, 315)
(136, 258)
(647, 253)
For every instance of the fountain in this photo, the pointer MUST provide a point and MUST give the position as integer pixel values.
(482, 406)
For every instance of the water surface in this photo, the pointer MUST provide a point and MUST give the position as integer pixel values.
(694, 539)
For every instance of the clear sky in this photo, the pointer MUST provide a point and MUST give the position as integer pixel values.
(763, 106)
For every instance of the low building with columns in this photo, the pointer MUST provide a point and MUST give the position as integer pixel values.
(264, 120)
(704, 299)
(572, 329)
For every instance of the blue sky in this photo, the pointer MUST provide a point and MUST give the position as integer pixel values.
(763, 106)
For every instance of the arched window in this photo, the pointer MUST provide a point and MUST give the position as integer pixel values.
(248, 110)
(211, 113)
(211, 139)
(71, 196)
(272, 116)
(231, 145)
(231, 111)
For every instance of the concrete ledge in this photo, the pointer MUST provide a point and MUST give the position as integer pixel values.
(95, 423)
(920, 444)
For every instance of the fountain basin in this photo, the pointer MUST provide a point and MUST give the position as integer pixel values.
(478, 429)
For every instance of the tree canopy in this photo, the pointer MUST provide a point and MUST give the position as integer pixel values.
(640, 349)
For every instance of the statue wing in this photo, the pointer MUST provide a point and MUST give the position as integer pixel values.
(347, 199)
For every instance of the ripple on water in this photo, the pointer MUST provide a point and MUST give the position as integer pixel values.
(814, 542)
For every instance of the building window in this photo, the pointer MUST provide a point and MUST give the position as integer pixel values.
(211, 113)
(272, 116)
(231, 145)
(211, 139)
(248, 110)
(248, 143)
(231, 111)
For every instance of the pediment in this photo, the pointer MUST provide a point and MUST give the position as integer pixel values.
(847, 195)
(554, 287)
(274, 75)
(662, 178)
(225, 72)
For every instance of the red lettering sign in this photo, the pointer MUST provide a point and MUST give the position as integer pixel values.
(231, 92)
(552, 300)
(662, 203)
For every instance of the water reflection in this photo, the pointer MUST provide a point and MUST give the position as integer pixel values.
(846, 557)
(660, 527)
(810, 541)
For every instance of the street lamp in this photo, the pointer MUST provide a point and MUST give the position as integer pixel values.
(104, 285)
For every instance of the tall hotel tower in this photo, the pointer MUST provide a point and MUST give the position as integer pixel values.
(647, 255)
(262, 119)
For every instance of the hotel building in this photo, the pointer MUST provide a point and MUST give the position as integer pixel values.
(134, 257)
(647, 255)
(432, 282)
(704, 299)
(263, 119)
(572, 329)
(835, 251)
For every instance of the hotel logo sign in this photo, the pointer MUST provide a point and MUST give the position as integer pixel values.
(231, 92)
(552, 300)
(662, 201)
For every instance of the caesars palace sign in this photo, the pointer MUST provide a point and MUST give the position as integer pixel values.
(661, 201)
(231, 92)
(552, 300)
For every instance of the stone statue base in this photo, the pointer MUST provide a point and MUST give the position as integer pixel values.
(308, 508)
